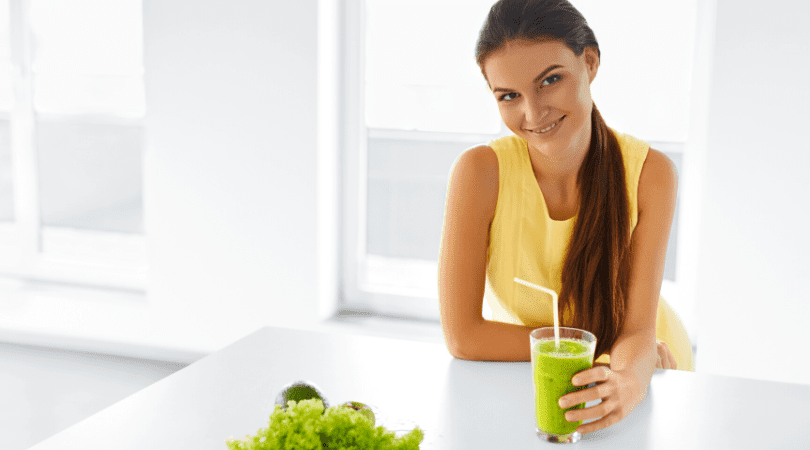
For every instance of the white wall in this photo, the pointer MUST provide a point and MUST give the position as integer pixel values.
(754, 263)
(231, 187)
(231, 161)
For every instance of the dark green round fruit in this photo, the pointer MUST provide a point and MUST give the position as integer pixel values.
(363, 409)
(300, 390)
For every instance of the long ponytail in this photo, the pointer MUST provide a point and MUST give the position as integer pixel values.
(595, 274)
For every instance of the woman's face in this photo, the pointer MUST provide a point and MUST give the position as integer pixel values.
(540, 84)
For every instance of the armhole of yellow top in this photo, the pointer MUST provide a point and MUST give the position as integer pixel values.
(500, 170)
(634, 152)
(639, 167)
(498, 207)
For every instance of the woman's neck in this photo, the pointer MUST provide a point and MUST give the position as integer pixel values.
(558, 173)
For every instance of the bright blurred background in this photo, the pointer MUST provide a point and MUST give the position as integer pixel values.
(175, 174)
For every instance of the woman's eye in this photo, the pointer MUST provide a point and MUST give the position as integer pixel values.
(548, 81)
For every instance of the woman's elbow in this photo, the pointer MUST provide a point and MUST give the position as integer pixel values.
(459, 347)
(457, 352)
(453, 345)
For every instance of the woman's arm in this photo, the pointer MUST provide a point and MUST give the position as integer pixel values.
(633, 357)
(472, 195)
(657, 191)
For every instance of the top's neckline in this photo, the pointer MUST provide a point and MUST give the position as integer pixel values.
(538, 191)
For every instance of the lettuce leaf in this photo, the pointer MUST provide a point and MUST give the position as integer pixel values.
(305, 425)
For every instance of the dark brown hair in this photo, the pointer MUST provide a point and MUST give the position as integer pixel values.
(595, 273)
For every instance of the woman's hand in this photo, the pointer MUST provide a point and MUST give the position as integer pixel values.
(665, 358)
(620, 392)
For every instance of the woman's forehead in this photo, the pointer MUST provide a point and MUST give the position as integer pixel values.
(522, 61)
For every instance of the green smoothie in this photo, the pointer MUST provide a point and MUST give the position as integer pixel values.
(553, 370)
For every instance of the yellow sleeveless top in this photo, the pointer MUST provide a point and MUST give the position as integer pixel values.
(526, 243)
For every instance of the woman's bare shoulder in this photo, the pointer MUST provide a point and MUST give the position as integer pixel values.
(482, 156)
(480, 163)
(658, 181)
(475, 173)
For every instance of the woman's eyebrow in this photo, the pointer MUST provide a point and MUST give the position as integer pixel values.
(538, 78)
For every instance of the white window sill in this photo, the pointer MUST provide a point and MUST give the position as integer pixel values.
(71, 317)
(383, 326)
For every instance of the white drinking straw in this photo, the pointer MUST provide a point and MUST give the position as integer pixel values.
(554, 303)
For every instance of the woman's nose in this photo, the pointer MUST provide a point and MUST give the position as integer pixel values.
(535, 112)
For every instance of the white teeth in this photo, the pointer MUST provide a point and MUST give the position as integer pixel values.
(545, 130)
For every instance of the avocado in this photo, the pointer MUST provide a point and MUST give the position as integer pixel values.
(363, 409)
(300, 390)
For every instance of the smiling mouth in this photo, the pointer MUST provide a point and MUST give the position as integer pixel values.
(548, 128)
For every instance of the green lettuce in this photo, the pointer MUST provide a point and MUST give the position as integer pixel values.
(305, 425)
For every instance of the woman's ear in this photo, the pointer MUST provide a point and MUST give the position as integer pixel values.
(591, 59)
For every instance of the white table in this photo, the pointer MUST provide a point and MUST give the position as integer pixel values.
(460, 404)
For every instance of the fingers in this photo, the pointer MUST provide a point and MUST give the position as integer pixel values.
(597, 392)
(595, 411)
(584, 378)
(672, 362)
(592, 375)
(665, 358)
(596, 425)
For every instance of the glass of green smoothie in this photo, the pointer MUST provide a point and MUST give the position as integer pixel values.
(552, 370)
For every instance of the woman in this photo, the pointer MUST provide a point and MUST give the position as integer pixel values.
(566, 202)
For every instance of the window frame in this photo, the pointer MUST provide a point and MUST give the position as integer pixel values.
(98, 259)
(356, 296)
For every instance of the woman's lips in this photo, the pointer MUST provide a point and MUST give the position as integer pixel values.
(548, 130)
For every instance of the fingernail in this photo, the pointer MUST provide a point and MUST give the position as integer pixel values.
(563, 404)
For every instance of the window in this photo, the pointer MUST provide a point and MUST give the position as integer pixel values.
(71, 141)
(415, 99)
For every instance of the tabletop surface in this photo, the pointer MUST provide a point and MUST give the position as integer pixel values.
(459, 404)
